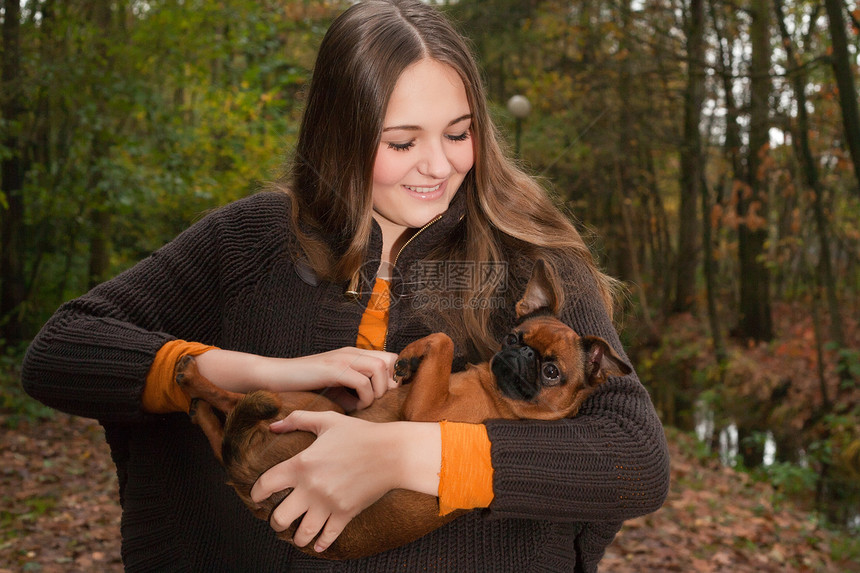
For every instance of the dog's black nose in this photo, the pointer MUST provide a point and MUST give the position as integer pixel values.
(527, 352)
(515, 369)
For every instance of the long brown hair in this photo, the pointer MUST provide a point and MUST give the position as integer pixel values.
(359, 61)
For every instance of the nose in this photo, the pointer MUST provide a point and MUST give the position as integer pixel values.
(527, 352)
(434, 162)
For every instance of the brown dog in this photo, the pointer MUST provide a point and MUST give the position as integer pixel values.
(544, 370)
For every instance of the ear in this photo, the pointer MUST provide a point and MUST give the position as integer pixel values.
(601, 361)
(542, 291)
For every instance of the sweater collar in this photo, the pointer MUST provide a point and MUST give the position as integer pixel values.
(421, 243)
(426, 238)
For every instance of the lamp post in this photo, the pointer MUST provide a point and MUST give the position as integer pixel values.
(520, 108)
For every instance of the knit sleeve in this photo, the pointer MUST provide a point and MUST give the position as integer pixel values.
(608, 463)
(92, 357)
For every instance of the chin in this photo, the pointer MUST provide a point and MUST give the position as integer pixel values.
(426, 217)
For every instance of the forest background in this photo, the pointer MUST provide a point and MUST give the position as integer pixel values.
(708, 149)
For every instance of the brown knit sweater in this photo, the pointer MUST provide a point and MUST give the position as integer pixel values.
(562, 489)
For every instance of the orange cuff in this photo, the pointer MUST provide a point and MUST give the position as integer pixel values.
(466, 477)
(161, 394)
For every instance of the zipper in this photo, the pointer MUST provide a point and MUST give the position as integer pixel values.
(394, 264)
(418, 232)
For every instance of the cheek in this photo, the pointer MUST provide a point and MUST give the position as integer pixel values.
(389, 168)
(463, 159)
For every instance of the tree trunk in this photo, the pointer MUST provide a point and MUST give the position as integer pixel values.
(750, 447)
(660, 242)
(99, 265)
(100, 216)
(755, 311)
(710, 278)
(732, 146)
(826, 275)
(844, 73)
(803, 150)
(691, 162)
(13, 170)
(625, 182)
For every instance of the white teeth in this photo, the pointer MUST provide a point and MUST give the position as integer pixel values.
(423, 189)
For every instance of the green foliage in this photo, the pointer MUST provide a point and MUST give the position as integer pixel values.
(11, 522)
(691, 446)
(152, 116)
(848, 367)
(846, 548)
(790, 479)
(15, 405)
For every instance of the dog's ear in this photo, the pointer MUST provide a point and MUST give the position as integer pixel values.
(543, 291)
(601, 361)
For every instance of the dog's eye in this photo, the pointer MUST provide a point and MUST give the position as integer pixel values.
(511, 339)
(551, 374)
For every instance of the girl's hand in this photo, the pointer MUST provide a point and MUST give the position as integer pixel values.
(351, 464)
(370, 373)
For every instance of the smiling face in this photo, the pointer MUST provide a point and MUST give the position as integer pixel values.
(425, 151)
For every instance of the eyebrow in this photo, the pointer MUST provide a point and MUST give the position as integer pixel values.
(419, 128)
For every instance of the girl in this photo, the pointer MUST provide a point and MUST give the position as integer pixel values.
(400, 216)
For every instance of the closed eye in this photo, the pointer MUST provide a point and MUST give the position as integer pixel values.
(401, 146)
(462, 137)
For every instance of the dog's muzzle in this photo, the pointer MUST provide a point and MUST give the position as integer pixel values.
(516, 372)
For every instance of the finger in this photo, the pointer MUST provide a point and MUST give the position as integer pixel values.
(277, 478)
(279, 426)
(311, 524)
(308, 421)
(358, 381)
(289, 510)
(383, 378)
(333, 528)
(388, 357)
(297, 420)
(378, 372)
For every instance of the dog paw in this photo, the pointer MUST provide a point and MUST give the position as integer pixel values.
(405, 368)
(185, 368)
(198, 410)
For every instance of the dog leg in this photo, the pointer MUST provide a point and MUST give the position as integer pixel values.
(198, 386)
(433, 355)
(202, 414)
(205, 398)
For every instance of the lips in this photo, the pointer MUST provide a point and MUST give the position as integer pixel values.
(416, 189)
(426, 192)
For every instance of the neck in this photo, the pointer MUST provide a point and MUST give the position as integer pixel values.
(394, 237)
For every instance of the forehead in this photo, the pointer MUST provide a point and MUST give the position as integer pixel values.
(427, 92)
(543, 325)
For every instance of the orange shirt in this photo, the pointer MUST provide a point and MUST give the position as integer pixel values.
(374, 321)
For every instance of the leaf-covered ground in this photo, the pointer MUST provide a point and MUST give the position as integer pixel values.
(60, 513)
(719, 520)
(60, 506)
